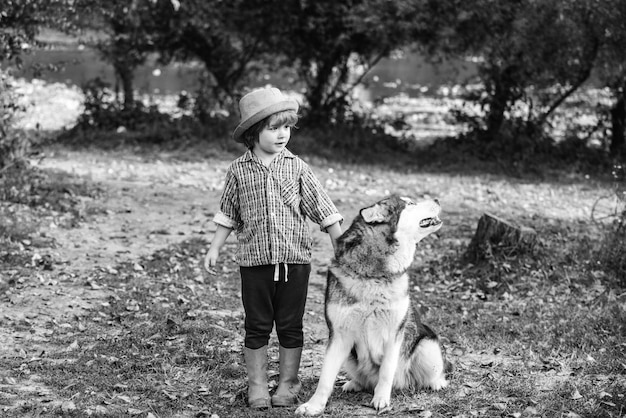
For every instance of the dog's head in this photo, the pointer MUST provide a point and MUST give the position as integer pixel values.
(382, 238)
(408, 220)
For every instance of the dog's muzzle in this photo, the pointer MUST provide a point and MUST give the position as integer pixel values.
(428, 222)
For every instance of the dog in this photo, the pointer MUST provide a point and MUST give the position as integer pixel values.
(375, 332)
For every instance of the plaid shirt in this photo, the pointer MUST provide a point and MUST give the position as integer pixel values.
(268, 208)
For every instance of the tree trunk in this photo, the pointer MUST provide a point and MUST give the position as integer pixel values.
(497, 106)
(504, 83)
(618, 124)
(495, 235)
(125, 73)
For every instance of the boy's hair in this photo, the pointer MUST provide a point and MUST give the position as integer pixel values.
(251, 135)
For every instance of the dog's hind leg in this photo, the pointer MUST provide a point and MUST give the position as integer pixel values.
(351, 367)
(428, 365)
(336, 353)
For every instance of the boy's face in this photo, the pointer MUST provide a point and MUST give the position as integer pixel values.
(273, 139)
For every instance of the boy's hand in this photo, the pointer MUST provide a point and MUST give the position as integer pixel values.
(210, 260)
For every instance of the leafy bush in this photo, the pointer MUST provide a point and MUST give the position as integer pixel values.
(14, 144)
(103, 111)
(611, 252)
(107, 122)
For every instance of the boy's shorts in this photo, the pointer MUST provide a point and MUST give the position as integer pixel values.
(271, 296)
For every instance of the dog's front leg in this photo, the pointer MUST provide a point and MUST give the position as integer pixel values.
(382, 392)
(336, 353)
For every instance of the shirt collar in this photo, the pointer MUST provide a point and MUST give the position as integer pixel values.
(285, 153)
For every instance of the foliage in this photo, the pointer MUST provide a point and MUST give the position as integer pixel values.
(229, 38)
(104, 112)
(107, 123)
(611, 252)
(535, 52)
(530, 336)
(609, 18)
(20, 22)
(14, 145)
(333, 45)
(124, 41)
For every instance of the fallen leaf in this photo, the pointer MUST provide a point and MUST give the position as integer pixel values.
(575, 395)
(500, 405)
(531, 411)
(94, 285)
(101, 410)
(73, 346)
(170, 395)
(68, 406)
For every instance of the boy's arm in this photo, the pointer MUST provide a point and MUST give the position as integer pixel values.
(316, 203)
(334, 231)
(210, 260)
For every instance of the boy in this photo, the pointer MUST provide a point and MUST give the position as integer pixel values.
(268, 195)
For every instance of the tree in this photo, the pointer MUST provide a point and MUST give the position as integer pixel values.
(20, 21)
(229, 37)
(122, 37)
(535, 51)
(334, 43)
(610, 22)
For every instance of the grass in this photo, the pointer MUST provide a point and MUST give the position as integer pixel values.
(538, 335)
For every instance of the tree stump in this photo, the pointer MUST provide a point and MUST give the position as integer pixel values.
(495, 235)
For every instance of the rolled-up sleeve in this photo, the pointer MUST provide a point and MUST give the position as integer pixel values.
(316, 204)
(229, 214)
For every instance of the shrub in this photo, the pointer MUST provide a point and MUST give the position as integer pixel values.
(14, 144)
(611, 252)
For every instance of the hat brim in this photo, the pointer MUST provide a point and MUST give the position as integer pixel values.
(262, 114)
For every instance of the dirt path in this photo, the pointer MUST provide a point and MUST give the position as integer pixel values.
(150, 203)
(146, 205)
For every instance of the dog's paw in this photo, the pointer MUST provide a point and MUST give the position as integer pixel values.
(309, 410)
(439, 384)
(352, 386)
(381, 403)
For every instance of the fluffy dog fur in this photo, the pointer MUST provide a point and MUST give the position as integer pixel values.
(374, 331)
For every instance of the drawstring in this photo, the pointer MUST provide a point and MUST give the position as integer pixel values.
(277, 272)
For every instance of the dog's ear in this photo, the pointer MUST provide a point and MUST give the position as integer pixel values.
(376, 214)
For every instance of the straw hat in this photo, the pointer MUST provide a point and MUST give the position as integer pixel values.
(259, 104)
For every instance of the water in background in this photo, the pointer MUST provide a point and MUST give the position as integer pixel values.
(411, 75)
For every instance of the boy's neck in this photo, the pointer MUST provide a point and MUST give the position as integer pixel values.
(265, 158)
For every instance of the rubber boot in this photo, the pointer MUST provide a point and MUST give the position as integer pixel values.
(288, 383)
(256, 364)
